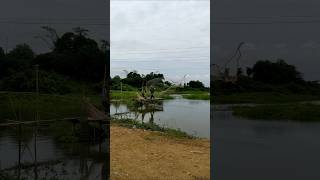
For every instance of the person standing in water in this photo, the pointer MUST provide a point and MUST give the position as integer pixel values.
(152, 89)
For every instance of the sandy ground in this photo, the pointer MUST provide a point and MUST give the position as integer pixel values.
(139, 154)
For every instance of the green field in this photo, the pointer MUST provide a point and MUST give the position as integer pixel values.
(291, 111)
(262, 98)
(130, 95)
(23, 106)
(196, 95)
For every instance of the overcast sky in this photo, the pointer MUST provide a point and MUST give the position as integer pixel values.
(271, 29)
(21, 20)
(169, 37)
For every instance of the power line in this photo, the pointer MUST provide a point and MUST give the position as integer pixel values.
(266, 17)
(159, 52)
(163, 49)
(265, 23)
(55, 18)
(163, 60)
(53, 23)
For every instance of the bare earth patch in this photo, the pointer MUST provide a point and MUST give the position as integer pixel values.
(139, 154)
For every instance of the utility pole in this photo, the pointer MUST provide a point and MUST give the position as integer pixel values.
(121, 89)
(37, 119)
(7, 42)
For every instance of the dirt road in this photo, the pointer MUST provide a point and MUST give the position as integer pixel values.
(138, 154)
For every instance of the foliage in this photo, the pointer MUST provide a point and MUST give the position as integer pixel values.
(275, 72)
(16, 106)
(262, 97)
(195, 84)
(116, 85)
(23, 81)
(297, 112)
(74, 59)
(265, 76)
(197, 96)
(138, 80)
(130, 123)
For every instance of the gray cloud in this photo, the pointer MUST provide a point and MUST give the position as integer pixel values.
(297, 43)
(171, 37)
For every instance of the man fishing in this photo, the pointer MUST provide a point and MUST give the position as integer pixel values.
(152, 89)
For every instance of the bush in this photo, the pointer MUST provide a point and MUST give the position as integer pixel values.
(49, 82)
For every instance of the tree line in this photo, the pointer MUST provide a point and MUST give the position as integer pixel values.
(267, 76)
(134, 80)
(73, 57)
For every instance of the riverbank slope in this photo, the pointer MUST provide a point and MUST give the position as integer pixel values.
(141, 154)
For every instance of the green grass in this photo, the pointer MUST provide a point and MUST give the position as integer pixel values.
(131, 95)
(295, 112)
(174, 133)
(62, 132)
(125, 95)
(197, 96)
(22, 106)
(262, 98)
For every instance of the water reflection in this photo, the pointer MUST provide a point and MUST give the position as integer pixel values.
(27, 154)
(191, 116)
(249, 148)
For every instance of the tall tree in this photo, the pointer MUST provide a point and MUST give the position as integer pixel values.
(275, 72)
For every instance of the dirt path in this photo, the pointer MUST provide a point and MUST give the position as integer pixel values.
(138, 154)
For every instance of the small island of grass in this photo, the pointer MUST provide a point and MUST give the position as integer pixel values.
(286, 112)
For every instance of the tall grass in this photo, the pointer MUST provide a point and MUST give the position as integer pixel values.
(296, 112)
(262, 98)
(22, 106)
(130, 123)
(197, 96)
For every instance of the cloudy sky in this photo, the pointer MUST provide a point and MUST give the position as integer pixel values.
(21, 20)
(271, 29)
(170, 37)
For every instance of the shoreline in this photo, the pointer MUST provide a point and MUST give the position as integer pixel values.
(143, 154)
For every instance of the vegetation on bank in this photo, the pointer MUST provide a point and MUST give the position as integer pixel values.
(74, 62)
(131, 95)
(23, 106)
(196, 95)
(265, 82)
(130, 123)
(135, 82)
(296, 112)
(263, 98)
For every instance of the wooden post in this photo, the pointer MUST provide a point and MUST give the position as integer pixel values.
(36, 126)
(19, 161)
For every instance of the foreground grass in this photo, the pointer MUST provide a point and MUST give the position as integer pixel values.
(174, 133)
(262, 98)
(296, 112)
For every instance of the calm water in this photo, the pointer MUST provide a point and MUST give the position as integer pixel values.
(264, 150)
(191, 116)
(62, 160)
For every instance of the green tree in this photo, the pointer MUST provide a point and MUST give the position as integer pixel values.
(2, 54)
(195, 84)
(278, 72)
(22, 52)
(77, 56)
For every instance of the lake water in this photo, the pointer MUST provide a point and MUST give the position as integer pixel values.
(264, 150)
(54, 160)
(191, 116)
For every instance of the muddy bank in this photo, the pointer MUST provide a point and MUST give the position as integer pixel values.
(140, 154)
